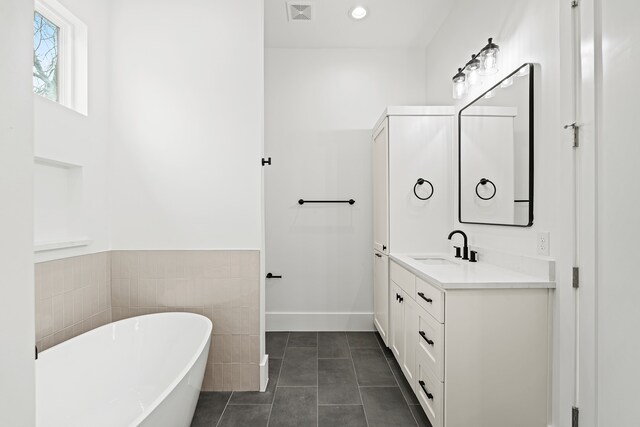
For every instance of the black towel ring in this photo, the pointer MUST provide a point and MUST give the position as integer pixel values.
(420, 182)
(484, 181)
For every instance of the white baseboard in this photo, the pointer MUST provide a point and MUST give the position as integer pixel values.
(320, 322)
(264, 373)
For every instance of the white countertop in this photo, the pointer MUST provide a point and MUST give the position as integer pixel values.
(468, 275)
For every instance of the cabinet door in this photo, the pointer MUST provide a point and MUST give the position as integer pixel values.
(381, 294)
(380, 181)
(410, 339)
(420, 147)
(397, 321)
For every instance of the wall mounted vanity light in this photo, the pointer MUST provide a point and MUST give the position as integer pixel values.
(483, 63)
(489, 58)
(459, 84)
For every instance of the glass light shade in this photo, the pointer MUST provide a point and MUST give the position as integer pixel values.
(489, 62)
(473, 73)
(473, 77)
(506, 83)
(489, 59)
(459, 85)
(523, 71)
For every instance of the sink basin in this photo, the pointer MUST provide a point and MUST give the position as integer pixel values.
(433, 260)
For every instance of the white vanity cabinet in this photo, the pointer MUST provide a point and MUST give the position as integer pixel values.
(396, 321)
(380, 181)
(408, 144)
(412, 143)
(404, 327)
(381, 294)
(475, 356)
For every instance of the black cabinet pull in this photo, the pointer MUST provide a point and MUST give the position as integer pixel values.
(429, 395)
(397, 297)
(378, 255)
(384, 248)
(421, 295)
(423, 335)
(271, 276)
(401, 299)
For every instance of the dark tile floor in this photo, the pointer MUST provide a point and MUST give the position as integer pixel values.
(326, 379)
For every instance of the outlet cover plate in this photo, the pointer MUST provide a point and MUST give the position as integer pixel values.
(543, 243)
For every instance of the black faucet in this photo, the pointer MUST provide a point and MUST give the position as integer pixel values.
(465, 248)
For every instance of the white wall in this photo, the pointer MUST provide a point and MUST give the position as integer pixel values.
(321, 105)
(186, 124)
(618, 233)
(64, 135)
(17, 384)
(527, 31)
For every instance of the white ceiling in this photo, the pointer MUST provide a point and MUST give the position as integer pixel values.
(389, 23)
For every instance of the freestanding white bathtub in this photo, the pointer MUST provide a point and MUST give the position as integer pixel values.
(142, 371)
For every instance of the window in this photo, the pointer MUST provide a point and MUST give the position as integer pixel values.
(59, 55)
(45, 57)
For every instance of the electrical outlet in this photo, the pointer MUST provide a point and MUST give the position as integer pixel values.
(543, 243)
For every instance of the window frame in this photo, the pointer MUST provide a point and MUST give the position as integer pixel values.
(72, 54)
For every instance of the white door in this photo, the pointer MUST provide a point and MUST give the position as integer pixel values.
(397, 321)
(607, 212)
(380, 181)
(381, 294)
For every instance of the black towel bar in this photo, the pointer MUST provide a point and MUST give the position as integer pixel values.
(302, 201)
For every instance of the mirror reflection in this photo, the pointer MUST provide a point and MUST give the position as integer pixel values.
(496, 154)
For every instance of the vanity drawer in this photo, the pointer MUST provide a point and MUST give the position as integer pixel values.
(404, 279)
(431, 343)
(430, 392)
(430, 298)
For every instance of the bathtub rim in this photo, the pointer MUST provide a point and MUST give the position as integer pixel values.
(183, 372)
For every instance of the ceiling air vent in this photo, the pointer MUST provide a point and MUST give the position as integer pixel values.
(299, 11)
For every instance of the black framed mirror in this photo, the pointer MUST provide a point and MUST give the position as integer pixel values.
(495, 153)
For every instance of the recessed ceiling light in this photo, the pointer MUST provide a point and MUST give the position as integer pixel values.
(358, 12)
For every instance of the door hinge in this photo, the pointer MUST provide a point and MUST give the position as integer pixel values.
(576, 277)
(574, 416)
(266, 161)
(576, 133)
(574, 3)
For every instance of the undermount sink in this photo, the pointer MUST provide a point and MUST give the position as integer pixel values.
(430, 260)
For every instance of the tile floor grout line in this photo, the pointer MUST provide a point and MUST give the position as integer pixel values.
(353, 364)
(383, 386)
(340, 404)
(226, 405)
(275, 392)
(318, 404)
(275, 389)
(397, 381)
(295, 386)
